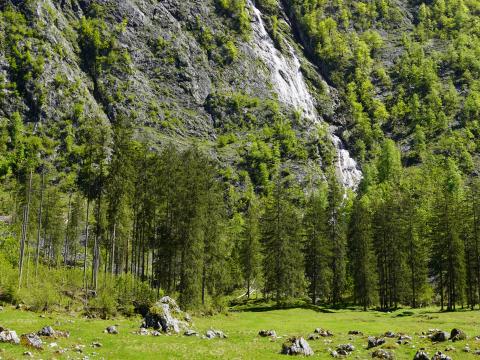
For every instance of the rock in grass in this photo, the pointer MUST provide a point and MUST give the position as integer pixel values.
(212, 334)
(112, 330)
(466, 349)
(375, 341)
(439, 336)
(390, 334)
(143, 332)
(439, 356)
(46, 331)
(297, 346)
(333, 353)
(323, 332)
(190, 332)
(165, 315)
(31, 340)
(382, 354)
(9, 336)
(421, 355)
(96, 344)
(457, 335)
(345, 349)
(404, 339)
(28, 353)
(355, 332)
(267, 333)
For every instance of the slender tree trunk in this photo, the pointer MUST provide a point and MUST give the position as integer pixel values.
(85, 251)
(65, 247)
(39, 230)
(24, 230)
(112, 255)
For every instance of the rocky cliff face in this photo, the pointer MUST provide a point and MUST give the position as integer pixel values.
(176, 69)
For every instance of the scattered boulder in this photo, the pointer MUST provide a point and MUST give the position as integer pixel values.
(375, 341)
(112, 329)
(439, 356)
(313, 336)
(96, 344)
(212, 334)
(31, 340)
(421, 355)
(28, 353)
(156, 333)
(466, 349)
(404, 339)
(143, 332)
(1, 308)
(390, 334)
(457, 335)
(165, 315)
(78, 348)
(345, 349)
(476, 352)
(334, 354)
(355, 332)
(267, 333)
(382, 354)
(439, 336)
(9, 336)
(450, 348)
(323, 332)
(297, 346)
(46, 331)
(190, 332)
(53, 345)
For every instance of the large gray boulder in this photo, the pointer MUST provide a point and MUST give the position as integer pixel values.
(9, 336)
(167, 316)
(297, 346)
(32, 340)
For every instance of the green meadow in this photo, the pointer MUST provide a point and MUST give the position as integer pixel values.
(242, 329)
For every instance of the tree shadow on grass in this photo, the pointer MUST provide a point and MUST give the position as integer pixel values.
(260, 305)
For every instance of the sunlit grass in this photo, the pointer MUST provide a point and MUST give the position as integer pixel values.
(242, 329)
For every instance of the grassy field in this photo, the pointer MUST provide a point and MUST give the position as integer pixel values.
(242, 328)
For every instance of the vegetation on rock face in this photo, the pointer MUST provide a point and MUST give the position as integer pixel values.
(246, 194)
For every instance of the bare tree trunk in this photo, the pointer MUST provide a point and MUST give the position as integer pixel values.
(85, 286)
(39, 230)
(24, 230)
(65, 245)
(112, 255)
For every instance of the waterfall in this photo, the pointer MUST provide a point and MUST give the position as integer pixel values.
(289, 84)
